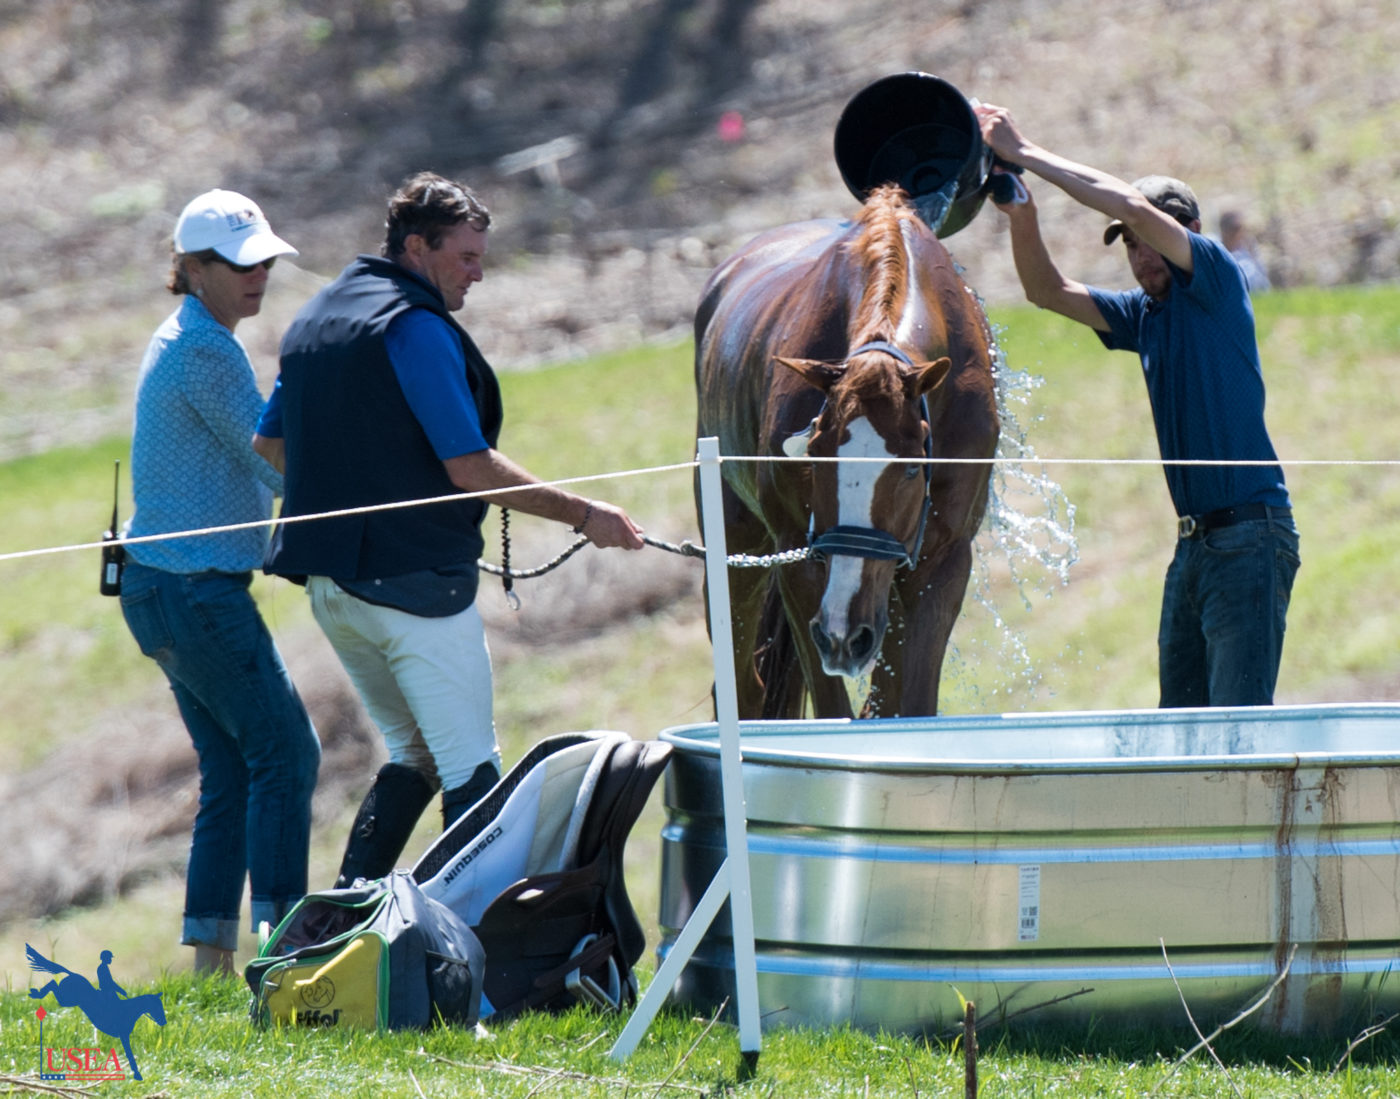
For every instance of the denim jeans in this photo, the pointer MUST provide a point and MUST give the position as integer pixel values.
(258, 752)
(1223, 610)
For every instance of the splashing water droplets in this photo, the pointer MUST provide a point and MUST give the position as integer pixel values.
(1027, 545)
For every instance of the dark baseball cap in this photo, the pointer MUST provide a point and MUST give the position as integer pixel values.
(1171, 196)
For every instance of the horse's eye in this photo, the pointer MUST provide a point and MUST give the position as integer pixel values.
(910, 472)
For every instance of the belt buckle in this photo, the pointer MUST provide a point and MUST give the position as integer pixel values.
(1186, 526)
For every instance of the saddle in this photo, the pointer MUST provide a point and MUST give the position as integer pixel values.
(535, 868)
(520, 905)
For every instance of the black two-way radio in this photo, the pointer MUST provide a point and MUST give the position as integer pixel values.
(113, 552)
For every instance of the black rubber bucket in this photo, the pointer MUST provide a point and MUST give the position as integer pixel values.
(918, 131)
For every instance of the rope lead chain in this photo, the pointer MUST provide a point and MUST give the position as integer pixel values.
(505, 572)
(684, 549)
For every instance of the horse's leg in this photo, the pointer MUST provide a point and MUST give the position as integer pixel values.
(801, 586)
(778, 671)
(909, 674)
(40, 993)
(747, 588)
(130, 1057)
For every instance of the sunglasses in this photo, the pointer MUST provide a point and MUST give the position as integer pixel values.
(242, 268)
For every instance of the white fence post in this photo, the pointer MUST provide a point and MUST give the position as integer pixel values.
(732, 878)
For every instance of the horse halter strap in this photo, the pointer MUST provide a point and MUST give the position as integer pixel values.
(871, 542)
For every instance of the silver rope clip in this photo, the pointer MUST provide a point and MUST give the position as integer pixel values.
(512, 600)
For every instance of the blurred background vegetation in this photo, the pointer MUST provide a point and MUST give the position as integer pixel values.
(593, 130)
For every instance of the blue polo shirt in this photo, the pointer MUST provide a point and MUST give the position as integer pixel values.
(431, 370)
(1200, 360)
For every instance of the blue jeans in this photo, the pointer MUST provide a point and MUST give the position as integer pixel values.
(1223, 610)
(258, 752)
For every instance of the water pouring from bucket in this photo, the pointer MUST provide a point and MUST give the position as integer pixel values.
(917, 130)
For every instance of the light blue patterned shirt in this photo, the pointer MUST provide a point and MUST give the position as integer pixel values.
(192, 463)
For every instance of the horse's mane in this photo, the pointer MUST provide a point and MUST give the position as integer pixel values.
(878, 248)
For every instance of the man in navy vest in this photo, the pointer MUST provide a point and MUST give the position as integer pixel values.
(382, 398)
(1191, 324)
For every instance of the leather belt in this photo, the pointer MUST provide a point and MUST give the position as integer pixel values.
(1194, 526)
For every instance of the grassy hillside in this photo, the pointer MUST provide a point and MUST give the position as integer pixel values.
(113, 114)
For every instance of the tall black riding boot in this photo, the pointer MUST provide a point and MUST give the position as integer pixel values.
(384, 823)
(459, 799)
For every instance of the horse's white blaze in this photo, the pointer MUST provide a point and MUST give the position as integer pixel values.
(855, 503)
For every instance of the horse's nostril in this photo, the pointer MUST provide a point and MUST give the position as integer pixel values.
(861, 645)
(822, 640)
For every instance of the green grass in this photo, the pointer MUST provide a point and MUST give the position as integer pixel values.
(1330, 358)
(631, 410)
(208, 1048)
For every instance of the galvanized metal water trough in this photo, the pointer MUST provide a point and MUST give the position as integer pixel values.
(1044, 860)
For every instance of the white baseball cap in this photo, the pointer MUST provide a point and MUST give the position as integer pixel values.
(232, 225)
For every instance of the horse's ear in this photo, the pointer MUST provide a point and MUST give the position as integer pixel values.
(814, 371)
(928, 376)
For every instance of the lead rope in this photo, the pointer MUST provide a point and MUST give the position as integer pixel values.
(687, 548)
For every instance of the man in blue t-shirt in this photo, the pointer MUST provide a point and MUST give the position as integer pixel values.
(1191, 323)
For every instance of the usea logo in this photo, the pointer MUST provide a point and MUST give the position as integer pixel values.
(107, 1007)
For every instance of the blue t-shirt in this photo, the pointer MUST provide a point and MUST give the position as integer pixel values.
(428, 362)
(1200, 360)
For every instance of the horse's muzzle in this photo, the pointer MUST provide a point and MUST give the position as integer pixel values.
(852, 654)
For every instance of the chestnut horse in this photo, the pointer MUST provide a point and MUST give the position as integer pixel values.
(852, 340)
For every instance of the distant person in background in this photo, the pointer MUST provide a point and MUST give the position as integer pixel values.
(383, 397)
(186, 600)
(1239, 245)
(1191, 323)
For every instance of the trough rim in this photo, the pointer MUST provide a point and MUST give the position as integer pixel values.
(702, 739)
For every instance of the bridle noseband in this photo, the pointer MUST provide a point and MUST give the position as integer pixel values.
(871, 542)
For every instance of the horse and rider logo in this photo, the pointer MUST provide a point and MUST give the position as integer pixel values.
(108, 1008)
(318, 993)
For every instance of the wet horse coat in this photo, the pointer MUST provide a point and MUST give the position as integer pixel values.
(856, 340)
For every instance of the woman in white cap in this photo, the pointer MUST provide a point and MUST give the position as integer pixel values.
(186, 599)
